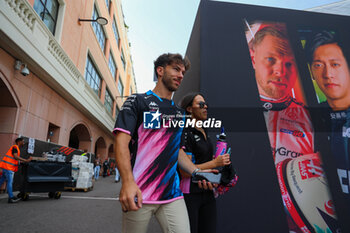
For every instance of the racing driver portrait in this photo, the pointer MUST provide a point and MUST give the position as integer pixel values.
(330, 70)
(287, 121)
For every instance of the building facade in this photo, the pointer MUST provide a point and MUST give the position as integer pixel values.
(61, 79)
(337, 8)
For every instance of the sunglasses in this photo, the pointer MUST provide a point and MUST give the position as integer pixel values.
(202, 104)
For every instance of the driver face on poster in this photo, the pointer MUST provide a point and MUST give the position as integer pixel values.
(331, 72)
(274, 65)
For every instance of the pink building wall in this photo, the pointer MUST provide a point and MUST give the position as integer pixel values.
(35, 105)
(39, 105)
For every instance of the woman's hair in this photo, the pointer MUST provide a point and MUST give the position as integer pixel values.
(187, 100)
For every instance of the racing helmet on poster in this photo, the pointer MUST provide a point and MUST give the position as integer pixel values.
(305, 194)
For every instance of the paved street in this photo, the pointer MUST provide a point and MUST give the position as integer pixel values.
(89, 212)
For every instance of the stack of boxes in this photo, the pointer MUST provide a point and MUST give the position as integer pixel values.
(82, 171)
(54, 157)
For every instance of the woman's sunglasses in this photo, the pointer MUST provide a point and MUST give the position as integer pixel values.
(202, 104)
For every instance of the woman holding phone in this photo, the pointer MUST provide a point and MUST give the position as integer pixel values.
(201, 204)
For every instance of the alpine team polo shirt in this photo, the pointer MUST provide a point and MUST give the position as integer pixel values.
(154, 146)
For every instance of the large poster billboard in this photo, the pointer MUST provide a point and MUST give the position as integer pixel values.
(279, 81)
(304, 188)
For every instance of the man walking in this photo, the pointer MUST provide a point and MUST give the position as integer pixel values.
(148, 154)
(97, 168)
(105, 168)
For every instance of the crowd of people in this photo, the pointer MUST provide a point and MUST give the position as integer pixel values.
(107, 168)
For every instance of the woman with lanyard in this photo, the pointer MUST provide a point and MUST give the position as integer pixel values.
(201, 204)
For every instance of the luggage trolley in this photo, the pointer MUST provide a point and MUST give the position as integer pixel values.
(44, 176)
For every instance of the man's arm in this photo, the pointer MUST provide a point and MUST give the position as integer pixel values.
(15, 155)
(129, 189)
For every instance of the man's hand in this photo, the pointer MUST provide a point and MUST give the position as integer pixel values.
(29, 159)
(129, 194)
(129, 190)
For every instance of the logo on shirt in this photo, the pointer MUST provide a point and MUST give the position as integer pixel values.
(338, 115)
(267, 106)
(282, 151)
(346, 132)
(153, 107)
(197, 138)
(344, 176)
(310, 168)
(295, 133)
(151, 120)
(153, 104)
(292, 115)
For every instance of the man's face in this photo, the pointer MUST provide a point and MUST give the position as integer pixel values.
(331, 72)
(275, 69)
(172, 76)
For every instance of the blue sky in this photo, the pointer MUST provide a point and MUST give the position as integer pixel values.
(161, 26)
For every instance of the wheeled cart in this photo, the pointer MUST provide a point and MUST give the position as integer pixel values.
(44, 176)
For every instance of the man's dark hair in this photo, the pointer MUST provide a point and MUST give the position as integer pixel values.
(18, 140)
(320, 38)
(188, 100)
(170, 58)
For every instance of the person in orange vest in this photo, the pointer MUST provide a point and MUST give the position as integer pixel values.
(9, 165)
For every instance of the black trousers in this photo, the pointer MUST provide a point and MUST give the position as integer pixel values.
(201, 208)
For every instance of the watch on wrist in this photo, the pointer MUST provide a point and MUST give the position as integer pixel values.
(195, 172)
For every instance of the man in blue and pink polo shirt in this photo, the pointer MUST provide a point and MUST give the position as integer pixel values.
(148, 153)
